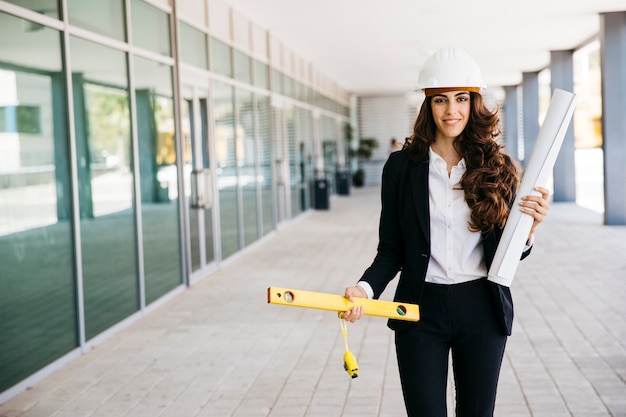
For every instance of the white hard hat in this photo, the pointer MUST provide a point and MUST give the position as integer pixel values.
(450, 67)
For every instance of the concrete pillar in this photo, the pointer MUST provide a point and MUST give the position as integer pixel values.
(511, 125)
(562, 76)
(530, 106)
(613, 63)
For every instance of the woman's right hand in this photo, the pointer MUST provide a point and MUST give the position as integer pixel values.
(356, 312)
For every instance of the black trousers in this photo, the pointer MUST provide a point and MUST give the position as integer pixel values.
(461, 319)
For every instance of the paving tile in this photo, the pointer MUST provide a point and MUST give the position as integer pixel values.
(219, 350)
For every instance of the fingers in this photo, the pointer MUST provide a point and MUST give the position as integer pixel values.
(353, 315)
(356, 291)
(536, 205)
(357, 311)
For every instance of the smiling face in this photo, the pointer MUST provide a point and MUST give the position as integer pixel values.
(451, 111)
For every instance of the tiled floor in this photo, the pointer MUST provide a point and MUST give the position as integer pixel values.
(220, 350)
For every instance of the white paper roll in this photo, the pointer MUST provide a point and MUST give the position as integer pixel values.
(536, 174)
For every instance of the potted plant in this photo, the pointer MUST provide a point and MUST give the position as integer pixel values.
(363, 153)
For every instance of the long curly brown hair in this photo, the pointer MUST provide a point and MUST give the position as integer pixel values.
(492, 176)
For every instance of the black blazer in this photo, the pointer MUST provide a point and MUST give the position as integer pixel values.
(404, 239)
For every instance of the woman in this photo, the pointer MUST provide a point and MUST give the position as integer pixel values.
(445, 199)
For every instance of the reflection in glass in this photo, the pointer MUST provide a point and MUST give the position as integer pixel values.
(151, 28)
(158, 177)
(209, 245)
(188, 133)
(305, 174)
(223, 112)
(293, 157)
(246, 151)
(104, 17)
(265, 163)
(329, 149)
(37, 287)
(102, 129)
(46, 7)
(195, 133)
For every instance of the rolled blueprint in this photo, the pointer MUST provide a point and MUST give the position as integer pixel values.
(536, 174)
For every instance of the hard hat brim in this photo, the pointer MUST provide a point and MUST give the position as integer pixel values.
(434, 91)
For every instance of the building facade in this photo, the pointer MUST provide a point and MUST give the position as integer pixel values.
(142, 145)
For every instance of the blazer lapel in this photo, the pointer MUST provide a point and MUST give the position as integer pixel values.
(419, 188)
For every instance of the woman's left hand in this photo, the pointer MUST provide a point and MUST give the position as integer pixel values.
(536, 206)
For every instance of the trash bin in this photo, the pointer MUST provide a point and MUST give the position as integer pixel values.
(322, 194)
(343, 183)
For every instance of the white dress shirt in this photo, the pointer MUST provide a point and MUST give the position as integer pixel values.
(456, 253)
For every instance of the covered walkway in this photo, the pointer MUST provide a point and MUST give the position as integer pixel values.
(218, 349)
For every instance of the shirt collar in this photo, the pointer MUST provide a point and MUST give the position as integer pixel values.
(437, 159)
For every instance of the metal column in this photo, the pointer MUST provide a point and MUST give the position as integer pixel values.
(562, 76)
(613, 61)
(511, 125)
(530, 104)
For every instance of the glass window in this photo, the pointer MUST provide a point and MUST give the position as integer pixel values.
(45, 7)
(304, 157)
(293, 155)
(221, 58)
(158, 177)
(289, 86)
(223, 112)
(246, 151)
(261, 75)
(37, 285)
(329, 147)
(243, 67)
(265, 177)
(277, 81)
(300, 91)
(102, 128)
(193, 46)
(151, 28)
(188, 132)
(104, 17)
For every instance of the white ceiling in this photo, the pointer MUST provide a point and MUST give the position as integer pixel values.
(378, 46)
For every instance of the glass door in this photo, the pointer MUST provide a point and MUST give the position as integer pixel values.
(199, 184)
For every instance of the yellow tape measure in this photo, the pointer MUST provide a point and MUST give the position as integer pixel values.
(339, 303)
(349, 360)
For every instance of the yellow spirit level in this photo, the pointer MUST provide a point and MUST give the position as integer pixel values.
(339, 303)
